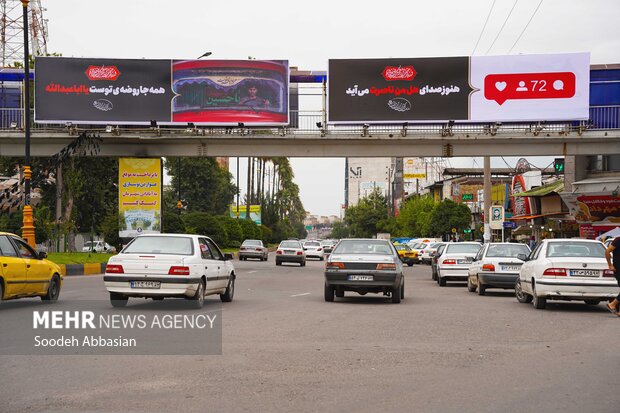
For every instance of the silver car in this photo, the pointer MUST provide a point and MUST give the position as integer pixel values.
(253, 248)
(364, 266)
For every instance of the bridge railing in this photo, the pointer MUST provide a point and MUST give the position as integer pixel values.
(307, 122)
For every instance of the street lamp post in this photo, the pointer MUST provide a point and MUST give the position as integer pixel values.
(28, 227)
(179, 202)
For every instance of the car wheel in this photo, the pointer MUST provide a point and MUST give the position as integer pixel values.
(482, 289)
(53, 290)
(470, 287)
(396, 295)
(302, 264)
(199, 298)
(522, 296)
(158, 298)
(1, 292)
(320, 258)
(539, 302)
(118, 300)
(592, 302)
(410, 264)
(402, 289)
(339, 293)
(278, 263)
(230, 291)
(433, 274)
(329, 293)
(441, 281)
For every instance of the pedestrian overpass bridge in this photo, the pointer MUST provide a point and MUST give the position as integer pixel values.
(312, 139)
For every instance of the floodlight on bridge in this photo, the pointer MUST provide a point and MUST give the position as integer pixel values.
(13, 125)
(403, 131)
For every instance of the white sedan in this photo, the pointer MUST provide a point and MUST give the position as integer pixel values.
(170, 265)
(496, 266)
(314, 249)
(565, 269)
(454, 262)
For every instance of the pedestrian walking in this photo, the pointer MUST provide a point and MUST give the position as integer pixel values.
(613, 260)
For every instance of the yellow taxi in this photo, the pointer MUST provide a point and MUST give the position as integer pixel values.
(25, 272)
(406, 254)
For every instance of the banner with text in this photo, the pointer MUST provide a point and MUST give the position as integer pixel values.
(255, 212)
(139, 196)
(464, 89)
(139, 91)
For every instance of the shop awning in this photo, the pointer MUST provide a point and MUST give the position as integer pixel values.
(557, 187)
(550, 214)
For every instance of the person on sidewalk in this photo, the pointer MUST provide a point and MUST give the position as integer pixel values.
(614, 265)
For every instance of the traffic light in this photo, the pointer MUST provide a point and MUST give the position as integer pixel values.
(558, 166)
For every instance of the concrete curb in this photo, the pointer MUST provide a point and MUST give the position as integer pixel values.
(68, 270)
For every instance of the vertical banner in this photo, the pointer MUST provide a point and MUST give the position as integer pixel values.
(139, 197)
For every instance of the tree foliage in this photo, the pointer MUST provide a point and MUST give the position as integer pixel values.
(364, 218)
(415, 216)
(447, 215)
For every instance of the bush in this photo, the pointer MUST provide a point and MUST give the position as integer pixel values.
(250, 229)
(205, 224)
(172, 223)
(267, 233)
(233, 229)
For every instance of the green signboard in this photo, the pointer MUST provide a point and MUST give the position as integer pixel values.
(467, 197)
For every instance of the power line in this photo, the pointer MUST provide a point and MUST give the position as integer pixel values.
(483, 27)
(526, 26)
(502, 28)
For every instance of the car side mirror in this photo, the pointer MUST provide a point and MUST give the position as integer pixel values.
(42, 255)
(228, 256)
(522, 257)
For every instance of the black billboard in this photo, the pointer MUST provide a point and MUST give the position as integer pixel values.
(138, 91)
(398, 90)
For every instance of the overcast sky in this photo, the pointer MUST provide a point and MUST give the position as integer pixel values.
(309, 33)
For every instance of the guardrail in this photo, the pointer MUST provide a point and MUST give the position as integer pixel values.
(304, 122)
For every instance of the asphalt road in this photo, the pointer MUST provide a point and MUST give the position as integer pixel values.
(285, 350)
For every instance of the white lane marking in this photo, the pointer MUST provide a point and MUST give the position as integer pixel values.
(252, 272)
(299, 295)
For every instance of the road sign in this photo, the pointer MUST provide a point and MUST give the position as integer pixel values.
(454, 230)
(467, 231)
(467, 197)
(558, 165)
(308, 227)
(510, 224)
(496, 217)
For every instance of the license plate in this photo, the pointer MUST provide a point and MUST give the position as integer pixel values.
(289, 252)
(511, 267)
(585, 273)
(145, 284)
(463, 261)
(361, 278)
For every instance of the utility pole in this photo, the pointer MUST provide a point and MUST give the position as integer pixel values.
(487, 198)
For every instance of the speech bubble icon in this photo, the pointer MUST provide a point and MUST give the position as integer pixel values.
(558, 85)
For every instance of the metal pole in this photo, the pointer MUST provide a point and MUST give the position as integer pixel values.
(179, 202)
(487, 198)
(238, 190)
(28, 228)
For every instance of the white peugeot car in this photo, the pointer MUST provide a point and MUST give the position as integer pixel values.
(454, 262)
(496, 266)
(565, 269)
(314, 249)
(170, 265)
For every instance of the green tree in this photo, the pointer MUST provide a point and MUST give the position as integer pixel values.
(447, 215)
(234, 231)
(205, 186)
(415, 216)
(250, 229)
(340, 230)
(363, 219)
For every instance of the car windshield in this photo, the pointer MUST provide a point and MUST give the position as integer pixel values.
(402, 248)
(312, 244)
(576, 249)
(160, 245)
(462, 248)
(435, 245)
(290, 244)
(507, 250)
(252, 243)
(363, 247)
